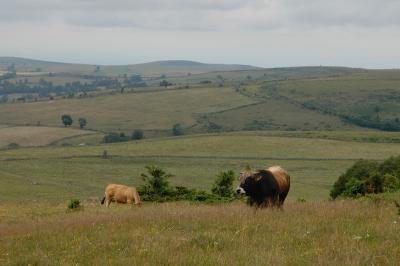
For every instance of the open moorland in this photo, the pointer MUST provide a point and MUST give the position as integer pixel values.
(314, 121)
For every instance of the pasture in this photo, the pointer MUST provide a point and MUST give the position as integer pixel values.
(37, 183)
(81, 172)
(318, 233)
(303, 110)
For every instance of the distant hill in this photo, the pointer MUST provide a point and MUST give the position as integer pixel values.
(158, 68)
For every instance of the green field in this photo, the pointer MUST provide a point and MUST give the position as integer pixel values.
(60, 173)
(37, 183)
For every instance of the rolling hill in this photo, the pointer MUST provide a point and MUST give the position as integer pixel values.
(169, 67)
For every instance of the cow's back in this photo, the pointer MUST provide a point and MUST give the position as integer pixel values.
(118, 192)
(282, 177)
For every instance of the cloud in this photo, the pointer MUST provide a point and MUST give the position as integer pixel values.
(204, 14)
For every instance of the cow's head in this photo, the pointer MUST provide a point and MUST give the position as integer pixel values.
(247, 181)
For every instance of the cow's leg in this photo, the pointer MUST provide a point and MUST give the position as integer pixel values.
(108, 201)
(282, 198)
(136, 197)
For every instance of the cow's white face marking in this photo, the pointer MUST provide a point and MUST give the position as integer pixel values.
(240, 190)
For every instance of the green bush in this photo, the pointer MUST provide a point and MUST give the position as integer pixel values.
(367, 177)
(390, 183)
(156, 188)
(355, 188)
(223, 185)
(360, 170)
(156, 185)
(74, 204)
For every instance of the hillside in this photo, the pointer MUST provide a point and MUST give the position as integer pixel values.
(169, 67)
(284, 99)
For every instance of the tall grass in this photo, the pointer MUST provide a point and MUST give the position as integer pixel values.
(325, 233)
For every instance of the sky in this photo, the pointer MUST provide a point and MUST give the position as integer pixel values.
(266, 33)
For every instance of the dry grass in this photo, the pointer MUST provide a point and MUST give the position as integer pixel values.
(324, 233)
(36, 136)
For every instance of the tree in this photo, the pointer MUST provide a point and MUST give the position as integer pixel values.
(178, 130)
(165, 83)
(82, 122)
(137, 134)
(67, 120)
(223, 185)
(156, 181)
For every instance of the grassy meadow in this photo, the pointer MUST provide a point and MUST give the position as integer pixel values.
(37, 183)
(233, 116)
(318, 233)
(60, 173)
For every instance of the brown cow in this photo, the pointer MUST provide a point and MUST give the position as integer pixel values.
(121, 194)
(265, 188)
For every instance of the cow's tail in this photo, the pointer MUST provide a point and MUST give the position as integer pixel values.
(102, 201)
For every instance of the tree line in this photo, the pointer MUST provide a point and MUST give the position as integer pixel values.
(44, 88)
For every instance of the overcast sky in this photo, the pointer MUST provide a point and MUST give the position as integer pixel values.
(268, 33)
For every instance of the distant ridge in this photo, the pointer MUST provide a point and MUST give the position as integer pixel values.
(167, 67)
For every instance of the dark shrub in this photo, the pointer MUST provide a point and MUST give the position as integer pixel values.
(115, 137)
(137, 134)
(177, 130)
(13, 145)
(74, 204)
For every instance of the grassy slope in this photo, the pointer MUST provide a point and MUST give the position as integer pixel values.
(282, 105)
(325, 233)
(36, 136)
(355, 94)
(65, 172)
(126, 112)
